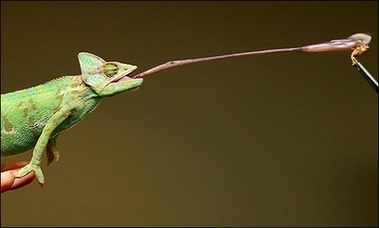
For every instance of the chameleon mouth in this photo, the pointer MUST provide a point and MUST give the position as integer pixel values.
(123, 78)
(126, 76)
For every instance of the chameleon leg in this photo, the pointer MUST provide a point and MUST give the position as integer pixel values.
(35, 162)
(52, 150)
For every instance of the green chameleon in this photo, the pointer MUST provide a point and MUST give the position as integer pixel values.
(34, 117)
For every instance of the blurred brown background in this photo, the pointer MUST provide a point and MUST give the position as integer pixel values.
(276, 140)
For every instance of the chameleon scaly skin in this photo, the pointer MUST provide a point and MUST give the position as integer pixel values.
(34, 117)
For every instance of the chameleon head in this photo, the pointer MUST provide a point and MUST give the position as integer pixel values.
(107, 78)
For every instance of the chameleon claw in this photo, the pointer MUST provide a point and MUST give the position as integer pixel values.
(51, 155)
(31, 168)
(52, 150)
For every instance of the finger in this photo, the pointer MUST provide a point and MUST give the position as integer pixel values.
(19, 182)
(7, 179)
(13, 165)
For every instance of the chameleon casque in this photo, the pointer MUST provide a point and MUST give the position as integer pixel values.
(34, 117)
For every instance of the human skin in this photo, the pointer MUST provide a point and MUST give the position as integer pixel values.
(8, 179)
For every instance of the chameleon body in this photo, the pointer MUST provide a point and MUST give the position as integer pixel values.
(34, 117)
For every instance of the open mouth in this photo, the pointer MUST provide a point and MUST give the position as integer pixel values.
(123, 78)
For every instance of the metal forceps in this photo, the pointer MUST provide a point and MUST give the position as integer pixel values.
(369, 78)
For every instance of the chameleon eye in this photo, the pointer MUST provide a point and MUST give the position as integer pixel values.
(110, 70)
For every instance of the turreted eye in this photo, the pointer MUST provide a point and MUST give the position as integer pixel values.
(110, 70)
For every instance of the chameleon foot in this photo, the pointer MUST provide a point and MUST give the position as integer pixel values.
(31, 168)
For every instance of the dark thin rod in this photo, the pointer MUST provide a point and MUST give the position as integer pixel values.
(369, 78)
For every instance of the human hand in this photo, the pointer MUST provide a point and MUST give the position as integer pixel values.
(8, 179)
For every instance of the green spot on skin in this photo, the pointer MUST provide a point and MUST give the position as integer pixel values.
(24, 109)
(32, 105)
(8, 127)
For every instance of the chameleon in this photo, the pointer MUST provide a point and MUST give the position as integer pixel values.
(33, 118)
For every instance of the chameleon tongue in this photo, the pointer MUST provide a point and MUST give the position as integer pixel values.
(123, 78)
(358, 42)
